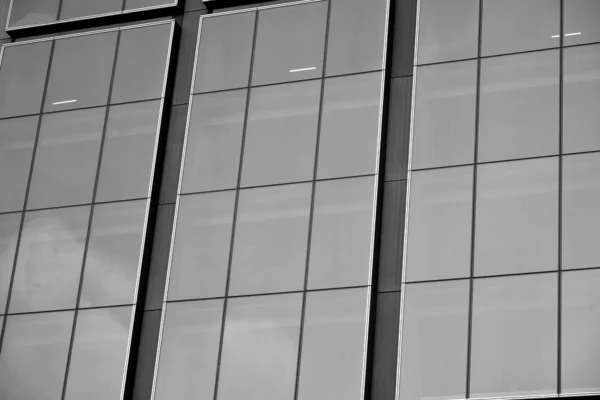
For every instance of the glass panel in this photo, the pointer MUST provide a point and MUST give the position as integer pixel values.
(350, 126)
(225, 52)
(17, 138)
(510, 26)
(444, 115)
(81, 71)
(212, 151)
(189, 350)
(113, 256)
(33, 12)
(514, 332)
(34, 355)
(434, 340)
(9, 232)
(84, 8)
(517, 217)
(281, 134)
(448, 30)
(271, 236)
(333, 357)
(135, 4)
(341, 244)
(128, 153)
(290, 43)
(64, 171)
(201, 250)
(581, 21)
(439, 237)
(519, 107)
(260, 348)
(356, 36)
(100, 348)
(50, 259)
(22, 78)
(141, 63)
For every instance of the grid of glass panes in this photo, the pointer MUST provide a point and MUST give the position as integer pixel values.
(502, 261)
(79, 123)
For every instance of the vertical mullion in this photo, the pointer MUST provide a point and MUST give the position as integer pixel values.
(560, 199)
(59, 9)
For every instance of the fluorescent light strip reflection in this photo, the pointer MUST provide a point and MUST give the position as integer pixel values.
(567, 34)
(64, 102)
(303, 69)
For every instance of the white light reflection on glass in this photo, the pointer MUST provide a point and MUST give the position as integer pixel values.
(64, 102)
(303, 69)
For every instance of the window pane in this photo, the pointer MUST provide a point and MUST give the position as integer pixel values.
(225, 51)
(17, 137)
(201, 250)
(113, 256)
(434, 340)
(128, 153)
(212, 158)
(34, 355)
(515, 25)
(84, 8)
(350, 126)
(333, 357)
(581, 21)
(189, 349)
(519, 107)
(50, 259)
(448, 30)
(341, 244)
(514, 336)
(134, 4)
(33, 12)
(439, 236)
(9, 232)
(517, 217)
(290, 43)
(444, 120)
(64, 171)
(80, 72)
(260, 348)
(100, 348)
(281, 134)
(22, 78)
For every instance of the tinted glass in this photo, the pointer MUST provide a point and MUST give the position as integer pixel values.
(201, 249)
(350, 126)
(83, 8)
(580, 20)
(519, 107)
(260, 348)
(66, 160)
(50, 259)
(439, 227)
(281, 134)
(516, 223)
(33, 12)
(341, 244)
(514, 332)
(22, 78)
(9, 231)
(133, 4)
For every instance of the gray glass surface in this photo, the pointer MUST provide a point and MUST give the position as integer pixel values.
(515, 25)
(128, 153)
(140, 72)
(32, 12)
(100, 348)
(448, 30)
(9, 232)
(290, 43)
(333, 346)
(17, 137)
(349, 138)
(225, 51)
(581, 21)
(434, 340)
(113, 255)
(519, 106)
(50, 259)
(134, 4)
(516, 226)
(356, 36)
(439, 224)
(260, 348)
(201, 251)
(271, 236)
(212, 152)
(341, 244)
(80, 72)
(281, 134)
(66, 160)
(22, 78)
(513, 336)
(189, 349)
(444, 115)
(85, 8)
